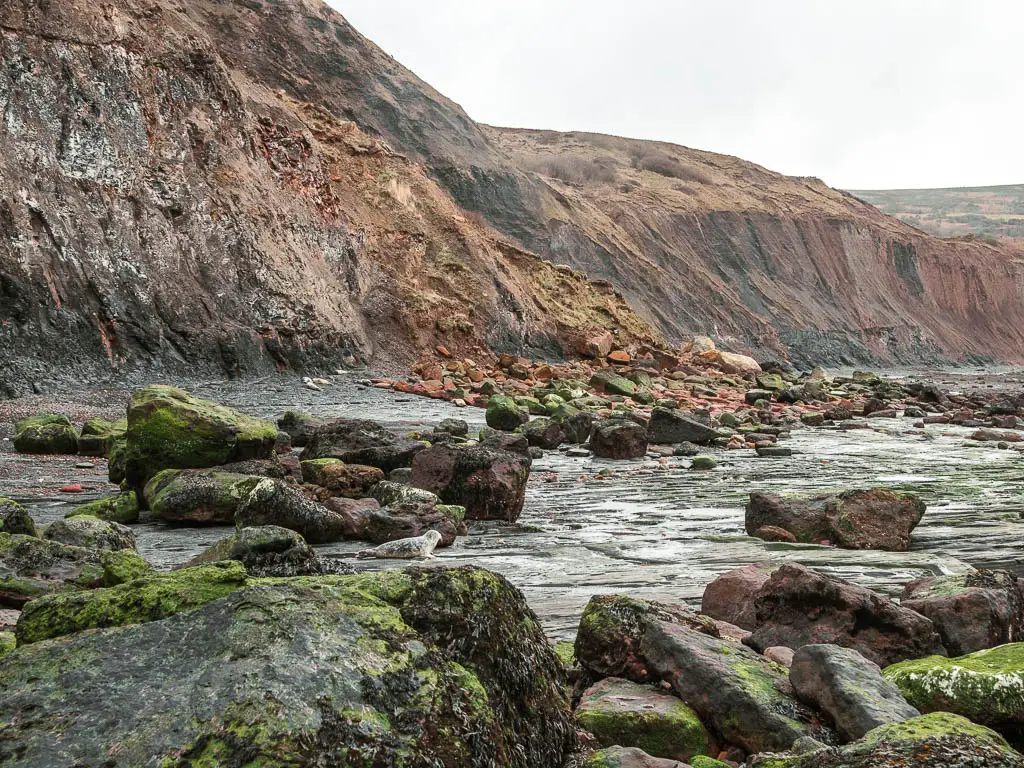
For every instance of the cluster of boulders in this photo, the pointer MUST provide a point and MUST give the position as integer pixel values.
(788, 668)
(53, 433)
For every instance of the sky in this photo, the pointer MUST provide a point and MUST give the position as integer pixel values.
(872, 94)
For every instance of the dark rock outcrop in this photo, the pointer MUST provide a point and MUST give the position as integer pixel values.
(618, 439)
(359, 441)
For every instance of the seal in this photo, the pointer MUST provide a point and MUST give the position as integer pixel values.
(419, 546)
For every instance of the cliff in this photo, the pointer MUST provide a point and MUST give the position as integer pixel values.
(176, 195)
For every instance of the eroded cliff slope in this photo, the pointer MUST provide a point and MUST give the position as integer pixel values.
(168, 203)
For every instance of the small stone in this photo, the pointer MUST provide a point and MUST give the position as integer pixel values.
(703, 462)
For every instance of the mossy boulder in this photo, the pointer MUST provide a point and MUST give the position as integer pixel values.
(352, 481)
(299, 426)
(45, 433)
(8, 642)
(90, 532)
(935, 740)
(150, 598)
(270, 550)
(197, 497)
(620, 712)
(401, 669)
(609, 381)
(170, 429)
(117, 461)
(618, 438)
(986, 686)
(14, 518)
(274, 502)
(542, 433)
(31, 567)
(120, 508)
(575, 423)
(123, 565)
(99, 435)
(703, 761)
(503, 413)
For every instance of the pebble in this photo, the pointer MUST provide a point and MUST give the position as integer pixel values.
(84, 465)
(577, 453)
(72, 488)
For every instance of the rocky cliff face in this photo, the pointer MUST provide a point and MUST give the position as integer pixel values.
(181, 188)
(241, 184)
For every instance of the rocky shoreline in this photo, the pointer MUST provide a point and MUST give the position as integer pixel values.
(782, 665)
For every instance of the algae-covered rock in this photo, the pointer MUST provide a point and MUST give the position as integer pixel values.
(99, 435)
(14, 518)
(122, 565)
(117, 461)
(8, 642)
(31, 567)
(352, 481)
(120, 508)
(389, 494)
(170, 429)
(543, 433)
(986, 686)
(45, 433)
(299, 426)
(628, 757)
(90, 532)
(620, 712)
(270, 550)
(504, 414)
(939, 740)
(401, 669)
(150, 598)
(273, 502)
(608, 380)
(197, 497)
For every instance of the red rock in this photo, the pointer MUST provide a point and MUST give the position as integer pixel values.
(443, 351)
(72, 488)
(596, 346)
(730, 597)
(619, 356)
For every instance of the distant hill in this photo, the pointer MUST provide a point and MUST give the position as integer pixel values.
(987, 212)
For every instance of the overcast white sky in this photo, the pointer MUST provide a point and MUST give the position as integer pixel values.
(870, 94)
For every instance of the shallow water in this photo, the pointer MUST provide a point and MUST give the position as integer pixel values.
(664, 531)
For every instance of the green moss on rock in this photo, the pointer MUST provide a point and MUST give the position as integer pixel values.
(7, 643)
(123, 565)
(31, 567)
(14, 518)
(503, 413)
(45, 433)
(99, 435)
(120, 508)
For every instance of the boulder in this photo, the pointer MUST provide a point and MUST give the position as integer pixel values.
(32, 567)
(270, 551)
(399, 668)
(150, 598)
(939, 740)
(849, 688)
(798, 607)
(624, 713)
(596, 345)
(861, 519)
(272, 467)
(117, 461)
(298, 426)
(45, 433)
(98, 436)
(668, 427)
(14, 518)
(120, 508)
(543, 433)
(971, 612)
(730, 597)
(985, 686)
(489, 481)
(274, 502)
(575, 424)
(354, 481)
(609, 381)
(170, 429)
(618, 439)
(359, 441)
(352, 514)
(732, 363)
(628, 757)
(504, 414)
(197, 497)
(410, 519)
(90, 532)
(739, 694)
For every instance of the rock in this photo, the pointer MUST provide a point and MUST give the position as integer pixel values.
(31, 567)
(270, 551)
(353, 481)
(612, 630)
(798, 607)
(456, 427)
(411, 519)
(774, 533)
(971, 612)
(298, 426)
(703, 462)
(353, 514)
(359, 441)
(772, 382)
(737, 693)
(216, 679)
(862, 519)
(542, 433)
(773, 451)
(90, 532)
(780, 654)
(733, 363)
(730, 597)
(153, 597)
(196, 496)
(14, 518)
(98, 436)
(7, 643)
(619, 357)
(272, 467)
(609, 381)
(754, 396)
(486, 479)
(628, 757)
(939, 740)
(620, 712)
(273, 502)
(812, 419)
(618, 439)
(596, 346)
(576, 424)
(401, 475)
(120, 508)
(170, 429)
(390, 494)
(504, 414)
(849, 688)
(117, 461)
(45, 433)
(985, 686)
(669, 427)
